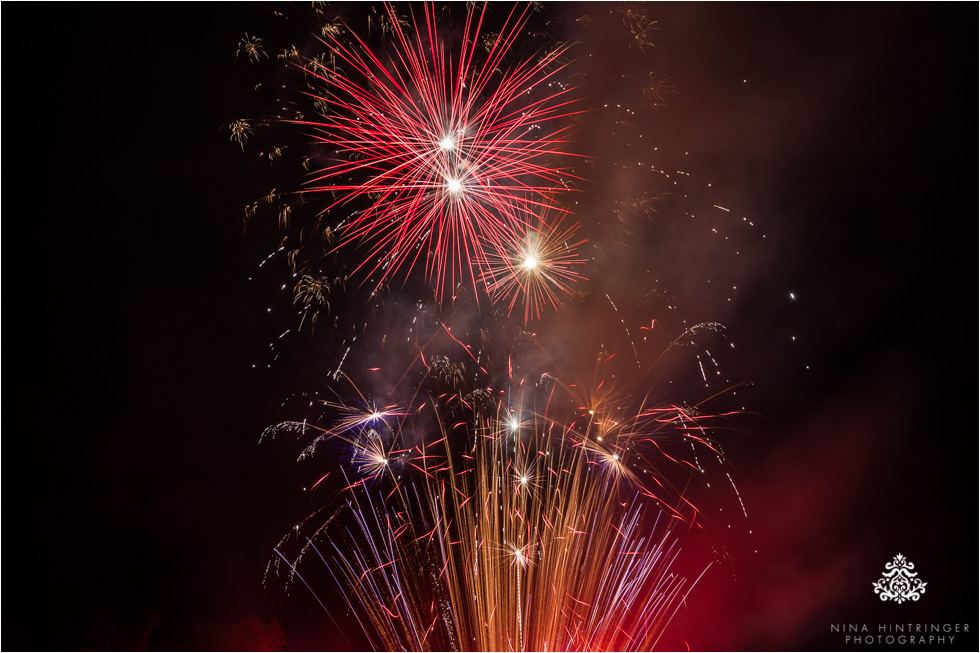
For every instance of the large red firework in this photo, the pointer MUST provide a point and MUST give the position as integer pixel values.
(451, 150)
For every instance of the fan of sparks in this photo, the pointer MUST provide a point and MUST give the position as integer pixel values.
(445, 155)
(481, 523)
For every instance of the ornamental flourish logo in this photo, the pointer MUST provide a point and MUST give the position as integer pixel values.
(899, 583)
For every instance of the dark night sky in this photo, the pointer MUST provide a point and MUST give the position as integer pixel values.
(133, 475)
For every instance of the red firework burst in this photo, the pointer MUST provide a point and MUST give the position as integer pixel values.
(453, 151)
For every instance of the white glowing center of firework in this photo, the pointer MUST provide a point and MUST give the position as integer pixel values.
(375, 415)
(454, 185)
(524, 480)
(447, 143)
(530, 263)
(615, 456)
(513, 424)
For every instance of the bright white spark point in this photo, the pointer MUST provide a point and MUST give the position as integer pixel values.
(530, 263)
(524, 480)
(454, 185)
(375, 415)
(447, 143)
(513, 424)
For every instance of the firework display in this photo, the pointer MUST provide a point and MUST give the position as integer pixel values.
(727, 229)
(467, 493)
